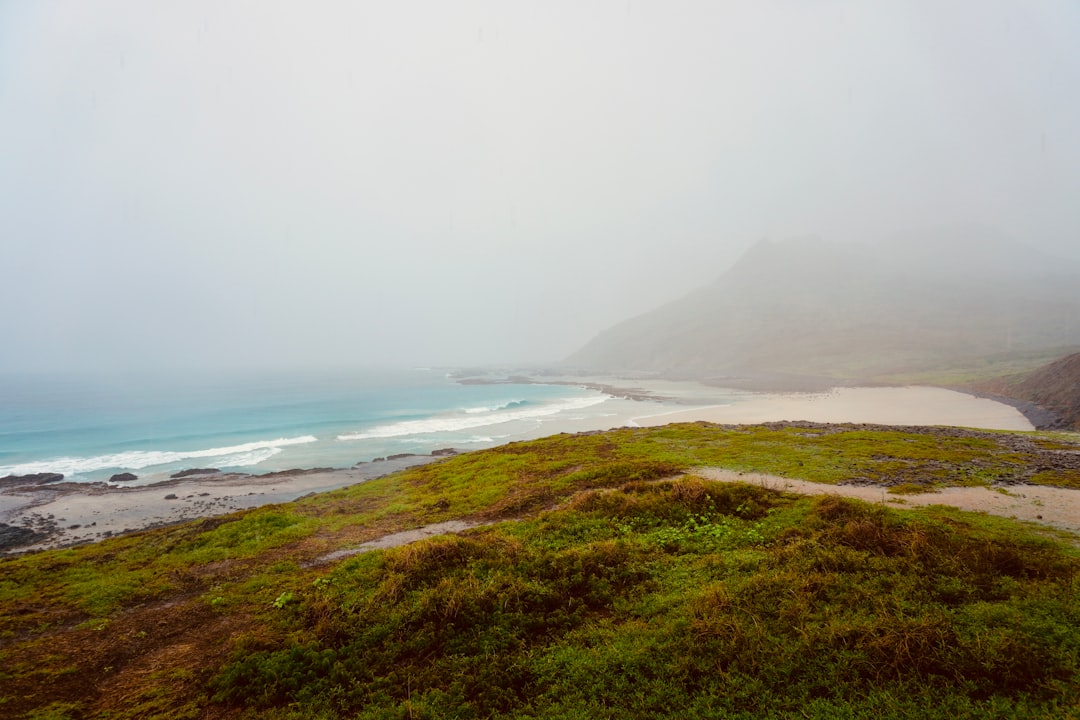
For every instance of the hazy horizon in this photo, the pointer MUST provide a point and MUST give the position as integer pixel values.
(212, 185)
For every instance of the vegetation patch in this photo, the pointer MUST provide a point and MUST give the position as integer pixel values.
(613, 584)
(1057, 477)
(692, 599)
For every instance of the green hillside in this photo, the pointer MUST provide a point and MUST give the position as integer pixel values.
(601, 579)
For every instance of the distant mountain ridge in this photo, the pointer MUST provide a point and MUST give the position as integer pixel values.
(813, 307)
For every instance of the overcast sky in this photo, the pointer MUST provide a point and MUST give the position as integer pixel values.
(200, 183)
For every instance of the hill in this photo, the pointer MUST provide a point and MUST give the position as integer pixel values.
(855, 312)
(1055, 388)
(601, 578)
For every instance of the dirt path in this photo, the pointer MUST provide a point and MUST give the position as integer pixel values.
(399, 538)
(1056, 507)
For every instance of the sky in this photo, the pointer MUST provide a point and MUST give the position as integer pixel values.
(276, 184)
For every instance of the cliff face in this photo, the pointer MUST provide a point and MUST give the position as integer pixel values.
(853, 311)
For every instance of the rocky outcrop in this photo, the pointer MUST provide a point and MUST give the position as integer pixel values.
(295, 472)
(14, 537)
(31, 479)
(194, 471)
(123, 477)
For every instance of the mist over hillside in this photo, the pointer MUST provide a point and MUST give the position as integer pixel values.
(855, 311)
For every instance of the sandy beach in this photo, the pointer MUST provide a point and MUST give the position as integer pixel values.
(878, 405)
(69, 513)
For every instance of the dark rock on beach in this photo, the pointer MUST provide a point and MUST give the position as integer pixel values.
(194, 471)
(443, 452)
(294, 472)
(32, 479)
(123, 477)
(13, 537)
(400, 456)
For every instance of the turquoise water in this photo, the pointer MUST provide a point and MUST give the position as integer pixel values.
(89, 428)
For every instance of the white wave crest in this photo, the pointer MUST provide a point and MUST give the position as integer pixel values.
(247, 459)
(456, 423)
(139, 459)
(436, 439)
(495, 408)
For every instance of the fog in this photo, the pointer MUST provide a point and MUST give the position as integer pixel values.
(206, 184)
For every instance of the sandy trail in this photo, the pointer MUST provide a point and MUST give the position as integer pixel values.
(400, 538)
(1056, 507)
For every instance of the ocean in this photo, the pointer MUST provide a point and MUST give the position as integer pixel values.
(91, 427)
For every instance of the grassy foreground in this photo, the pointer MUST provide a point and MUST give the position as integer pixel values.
(603, 583)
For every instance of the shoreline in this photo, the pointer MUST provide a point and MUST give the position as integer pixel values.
(52, 515)
(65, 514)
(1041, 418)
(77, 516)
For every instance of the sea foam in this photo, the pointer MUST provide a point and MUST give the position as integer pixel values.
(231, 456)
(467, 421)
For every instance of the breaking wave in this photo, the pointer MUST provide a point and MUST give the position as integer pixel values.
(232, 456)
(467, 420)
(496, 408)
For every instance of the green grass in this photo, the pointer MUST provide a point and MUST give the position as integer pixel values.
(608, 586)
(909, 488)
(1067, 478)
(628, 605)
